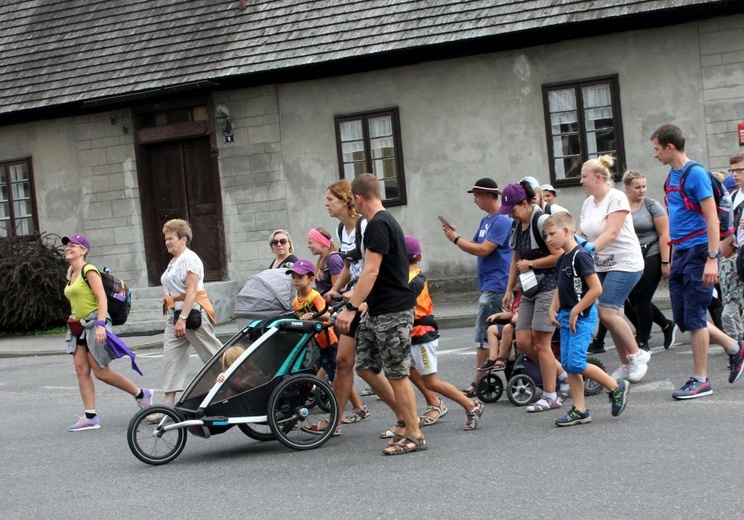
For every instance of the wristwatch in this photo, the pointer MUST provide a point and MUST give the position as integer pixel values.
(350, 307)
(530, 266)
(182, 317)
(713, 254)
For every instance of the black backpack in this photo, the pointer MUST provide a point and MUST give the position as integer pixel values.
(358, 252)
(118, 295)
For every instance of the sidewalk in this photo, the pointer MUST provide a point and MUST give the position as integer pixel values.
(449, 315)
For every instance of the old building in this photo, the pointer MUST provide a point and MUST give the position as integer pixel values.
(115, 116)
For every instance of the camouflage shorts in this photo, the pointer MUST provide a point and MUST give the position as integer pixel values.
(384, 343)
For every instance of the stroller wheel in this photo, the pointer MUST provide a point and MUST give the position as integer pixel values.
(149, 442)
(489, 388)
(322, 400)
(521, 390)
(257, 431)
(292, 422)
(590, 387)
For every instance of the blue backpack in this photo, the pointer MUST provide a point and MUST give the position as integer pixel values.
(720, 194)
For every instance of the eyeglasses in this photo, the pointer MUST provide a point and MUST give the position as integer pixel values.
(736, 170)
(281, 241)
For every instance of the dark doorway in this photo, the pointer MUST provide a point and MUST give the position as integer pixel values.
(178, 179)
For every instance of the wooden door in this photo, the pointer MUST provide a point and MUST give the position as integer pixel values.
(180, 183)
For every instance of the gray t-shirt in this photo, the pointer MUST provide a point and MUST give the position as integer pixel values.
(643, 222)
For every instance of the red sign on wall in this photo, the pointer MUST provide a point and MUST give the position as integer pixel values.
(741, 134)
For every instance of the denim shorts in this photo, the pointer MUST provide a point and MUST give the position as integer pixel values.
(616, 286)
(574, 345)
(488, 303)
(690, 296)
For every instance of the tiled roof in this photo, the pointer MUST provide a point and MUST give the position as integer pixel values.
(55, 52)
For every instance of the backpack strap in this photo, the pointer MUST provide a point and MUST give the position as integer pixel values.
(340, 232)
(538, 220)
(358, 242)
(84, 272)
(689, 205)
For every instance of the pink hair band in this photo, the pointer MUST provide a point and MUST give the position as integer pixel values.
(319, 237)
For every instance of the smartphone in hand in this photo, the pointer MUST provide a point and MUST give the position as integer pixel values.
(445, 222)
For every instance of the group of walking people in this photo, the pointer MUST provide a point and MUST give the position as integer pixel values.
(569, 273)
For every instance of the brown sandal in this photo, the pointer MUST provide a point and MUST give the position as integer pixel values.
(404, 445)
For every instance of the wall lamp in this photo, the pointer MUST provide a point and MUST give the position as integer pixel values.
(224, 125)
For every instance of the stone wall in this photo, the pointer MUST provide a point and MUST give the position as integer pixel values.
(254, 191)
(722, 64)
(109, 195)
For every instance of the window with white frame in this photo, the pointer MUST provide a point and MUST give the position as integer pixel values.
(17, 204)
(583, 121)
(370, 143)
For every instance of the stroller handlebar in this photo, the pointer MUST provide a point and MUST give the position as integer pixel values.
(312, 325)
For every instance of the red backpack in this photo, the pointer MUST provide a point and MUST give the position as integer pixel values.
(720, 194)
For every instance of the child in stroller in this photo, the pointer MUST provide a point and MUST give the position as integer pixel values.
(523, 376)
(261, 381)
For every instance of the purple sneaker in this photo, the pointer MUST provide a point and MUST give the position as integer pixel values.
(85, 424)
(736, 364)
(146, 399)
(692, 389)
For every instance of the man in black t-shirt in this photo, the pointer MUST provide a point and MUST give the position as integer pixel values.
(384, 335)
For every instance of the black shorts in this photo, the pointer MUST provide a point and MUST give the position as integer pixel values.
(352, 327)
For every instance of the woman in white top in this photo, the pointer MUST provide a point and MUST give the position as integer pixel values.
(183, 285)
(340, 205)
(607, 225)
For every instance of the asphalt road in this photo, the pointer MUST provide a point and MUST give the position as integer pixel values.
(660, 459)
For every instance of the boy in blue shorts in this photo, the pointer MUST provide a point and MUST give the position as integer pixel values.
(574, 311)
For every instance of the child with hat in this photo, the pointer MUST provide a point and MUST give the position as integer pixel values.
(310, 305)
(424, 342)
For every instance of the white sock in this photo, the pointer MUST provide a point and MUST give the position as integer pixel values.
(550, 395)
(733, 349)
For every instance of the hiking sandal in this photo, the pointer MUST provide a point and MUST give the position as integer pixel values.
(428, 420)
(359, 415)
(403, 446)
(389, 433)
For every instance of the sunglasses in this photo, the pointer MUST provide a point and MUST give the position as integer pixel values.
(281, 241)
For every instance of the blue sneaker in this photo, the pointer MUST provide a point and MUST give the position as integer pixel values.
(85, 424)
(574, 416)
(619, 397)
(736, 364)
(146, 399)
(693, 388)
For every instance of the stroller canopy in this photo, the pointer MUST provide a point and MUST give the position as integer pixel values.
(265, 295)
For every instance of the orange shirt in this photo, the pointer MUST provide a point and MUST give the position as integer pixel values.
(313, 303)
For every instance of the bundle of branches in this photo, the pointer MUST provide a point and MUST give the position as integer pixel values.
(32, 281)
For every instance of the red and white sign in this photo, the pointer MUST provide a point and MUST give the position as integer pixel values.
(741, 134)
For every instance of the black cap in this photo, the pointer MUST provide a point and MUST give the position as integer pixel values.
(485, 185)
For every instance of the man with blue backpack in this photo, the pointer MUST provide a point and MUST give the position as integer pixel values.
(698, 220)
